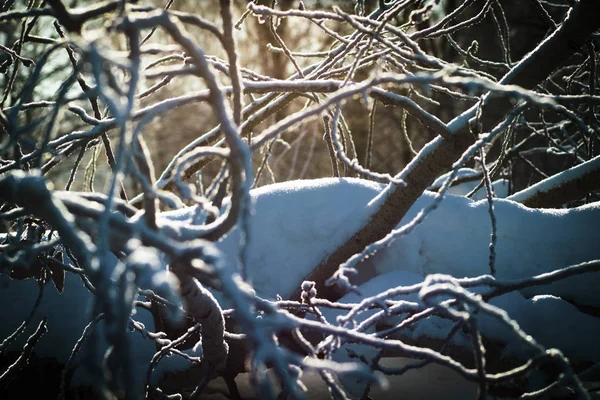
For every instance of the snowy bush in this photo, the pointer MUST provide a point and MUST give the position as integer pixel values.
(448, 233)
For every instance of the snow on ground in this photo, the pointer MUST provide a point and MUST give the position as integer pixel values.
(67, 313)
(296, 224)
(455, 238)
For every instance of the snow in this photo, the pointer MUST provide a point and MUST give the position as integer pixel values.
(454, 240)
(552, 321)
(68, 313)
(378, 284)
(295, 225)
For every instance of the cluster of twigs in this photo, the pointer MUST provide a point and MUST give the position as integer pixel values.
(510, 114)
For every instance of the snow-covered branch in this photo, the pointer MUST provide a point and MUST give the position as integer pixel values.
(563, 187)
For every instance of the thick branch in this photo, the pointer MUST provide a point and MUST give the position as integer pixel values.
(438, 156)
(30, 192)
(563, 187)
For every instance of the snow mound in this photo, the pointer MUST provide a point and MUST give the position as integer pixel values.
(295, 225)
